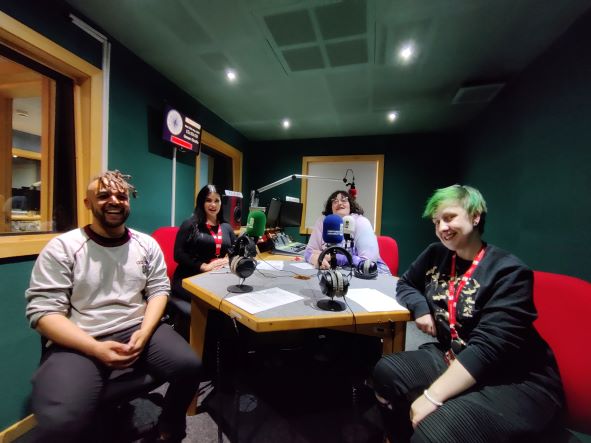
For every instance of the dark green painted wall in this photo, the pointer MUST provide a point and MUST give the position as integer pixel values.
(412, 170)
(138, 94)
(530, 155)
(19, 344)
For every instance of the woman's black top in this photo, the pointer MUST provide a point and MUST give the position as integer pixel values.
(194, 245)
(494, 314)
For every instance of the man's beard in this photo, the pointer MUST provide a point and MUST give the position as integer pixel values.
(102, 219)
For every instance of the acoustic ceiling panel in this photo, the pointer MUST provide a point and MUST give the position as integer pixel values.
(344, 19)
(291, 28)
(303, 59)
(351, 52)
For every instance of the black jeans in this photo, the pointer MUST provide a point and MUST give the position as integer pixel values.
(510, 412)
(67, 386)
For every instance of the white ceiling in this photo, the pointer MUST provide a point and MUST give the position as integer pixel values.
(330, 65)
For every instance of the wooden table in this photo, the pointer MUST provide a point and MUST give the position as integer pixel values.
(209, 290)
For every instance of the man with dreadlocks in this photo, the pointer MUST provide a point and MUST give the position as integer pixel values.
(97, 294)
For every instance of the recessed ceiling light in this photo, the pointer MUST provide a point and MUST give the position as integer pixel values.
(231, 75)
(392, 116)
(14, 156)
(406, 53)
(286, 123)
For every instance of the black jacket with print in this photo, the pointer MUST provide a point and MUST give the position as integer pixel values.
(495, 314)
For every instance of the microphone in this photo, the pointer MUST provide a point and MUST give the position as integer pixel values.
(332, 234)
(332, 230)
(348, 231)
(255, 225)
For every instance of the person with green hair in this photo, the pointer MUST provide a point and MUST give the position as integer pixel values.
(489, 377)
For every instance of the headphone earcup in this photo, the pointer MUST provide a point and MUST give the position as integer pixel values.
(243, 267)
(366, 269)
(333, 283)
(323, 281)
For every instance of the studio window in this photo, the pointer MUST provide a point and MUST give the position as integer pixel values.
(38, 171)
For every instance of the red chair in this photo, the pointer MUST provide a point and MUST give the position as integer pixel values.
(165, 237)
(389, 252)
(179, 309)
(564, 312)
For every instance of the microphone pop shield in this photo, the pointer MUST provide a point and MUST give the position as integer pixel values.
(332, 229)
(255, 225)
(348, 226)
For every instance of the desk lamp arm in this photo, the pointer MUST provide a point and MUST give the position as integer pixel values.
(254, 194)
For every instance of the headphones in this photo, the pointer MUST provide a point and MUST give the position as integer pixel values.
(334, 283)
(366, 270)
(242, 253)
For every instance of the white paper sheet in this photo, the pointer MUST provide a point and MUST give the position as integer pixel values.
(303, 265)
(373, 300)
(258, 301)
(270, 265)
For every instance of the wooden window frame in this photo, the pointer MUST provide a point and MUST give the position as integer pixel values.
(88, 80)
(226, 149)
(378, 159)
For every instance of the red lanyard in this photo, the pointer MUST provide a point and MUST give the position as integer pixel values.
(453, 295)
(217, 238)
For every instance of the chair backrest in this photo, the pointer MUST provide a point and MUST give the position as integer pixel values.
(165, 236)
(564, 312)
(389, 252)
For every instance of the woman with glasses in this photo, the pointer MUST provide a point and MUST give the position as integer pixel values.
(364, 241)
(489, 377)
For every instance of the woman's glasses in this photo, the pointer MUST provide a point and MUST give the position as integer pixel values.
(342, 199)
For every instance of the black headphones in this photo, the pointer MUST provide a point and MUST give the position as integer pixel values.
(366, 269)
(334, 283)
(242, 253)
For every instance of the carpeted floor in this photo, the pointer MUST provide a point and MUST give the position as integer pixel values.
(293, 394)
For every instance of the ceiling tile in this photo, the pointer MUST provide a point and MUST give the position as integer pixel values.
(304, 59)
(344, 19)
(291, 28)
(352, 52)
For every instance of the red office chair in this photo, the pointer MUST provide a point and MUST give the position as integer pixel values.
(389, 252)
(564, 310)
(179, 309)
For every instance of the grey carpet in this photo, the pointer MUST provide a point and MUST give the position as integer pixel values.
(277, 398)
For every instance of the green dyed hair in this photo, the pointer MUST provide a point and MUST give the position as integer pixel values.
(468, 197)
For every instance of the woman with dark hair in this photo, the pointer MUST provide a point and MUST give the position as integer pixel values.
(203, 240)
(365, 244)
(489, 377)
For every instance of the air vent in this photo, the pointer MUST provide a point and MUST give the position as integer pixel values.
(477, 93)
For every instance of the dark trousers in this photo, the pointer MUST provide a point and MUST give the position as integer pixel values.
(67, 386)
(488, 414)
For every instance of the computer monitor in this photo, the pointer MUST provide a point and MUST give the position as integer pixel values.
(273, 213)
(290, 215)
(25, 199)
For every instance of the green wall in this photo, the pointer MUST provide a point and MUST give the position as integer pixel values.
(19, 344)
(412, 170)
(530, 155)
(138, 94)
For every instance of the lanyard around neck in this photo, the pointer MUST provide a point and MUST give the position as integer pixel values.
(454, 293)
(217, 238)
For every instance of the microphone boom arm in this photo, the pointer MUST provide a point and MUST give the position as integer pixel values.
(254, 194)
